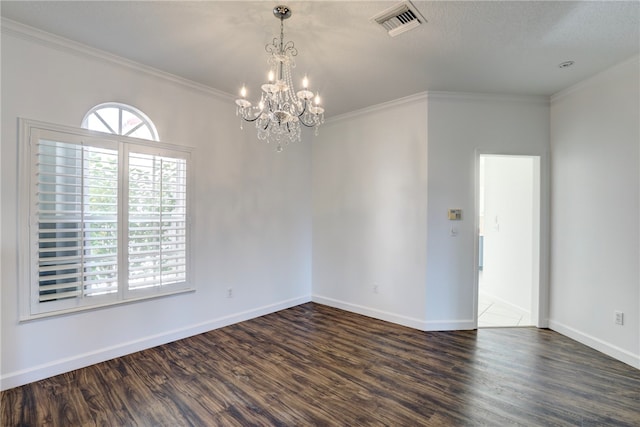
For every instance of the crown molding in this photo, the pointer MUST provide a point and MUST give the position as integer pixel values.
(443, 95)
(378, 107)
(15, 29)
(488, 97)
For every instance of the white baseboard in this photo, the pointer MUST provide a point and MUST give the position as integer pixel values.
(56, 367)
(596, 343)
(371, 312)
(451, 325)
(399, 319)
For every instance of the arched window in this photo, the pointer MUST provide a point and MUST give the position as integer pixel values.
(120, 119)
(111, 213)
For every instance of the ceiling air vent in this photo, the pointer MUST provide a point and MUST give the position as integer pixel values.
(399, 18)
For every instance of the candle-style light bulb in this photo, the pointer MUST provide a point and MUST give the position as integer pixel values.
(271, 76)
(305, 82)
(243, 92)
(317, 99)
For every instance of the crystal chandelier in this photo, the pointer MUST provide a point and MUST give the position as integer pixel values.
(281, 110)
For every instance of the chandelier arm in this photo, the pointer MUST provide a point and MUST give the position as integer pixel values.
(301, 118)
(304, 109)
(312, 125)
(248, 119)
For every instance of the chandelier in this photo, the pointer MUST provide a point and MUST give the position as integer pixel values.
(281, 110)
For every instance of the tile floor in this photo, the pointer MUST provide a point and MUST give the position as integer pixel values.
(492, 313)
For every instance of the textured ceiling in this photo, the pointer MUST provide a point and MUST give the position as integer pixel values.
(489, 47)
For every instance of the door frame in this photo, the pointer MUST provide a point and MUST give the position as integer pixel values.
(540, 299)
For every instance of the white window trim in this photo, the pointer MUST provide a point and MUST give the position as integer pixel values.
(28, 302)
(122, 107)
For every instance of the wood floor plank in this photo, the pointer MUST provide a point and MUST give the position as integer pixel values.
(314, 365)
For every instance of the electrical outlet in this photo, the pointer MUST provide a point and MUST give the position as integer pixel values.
(618, 317)
(376, 289)
(229, 292)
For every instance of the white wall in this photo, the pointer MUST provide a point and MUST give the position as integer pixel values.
(251, 217)
(509, 201)
(595, 140)
(369, 210)
(376, 192)
(460, 127)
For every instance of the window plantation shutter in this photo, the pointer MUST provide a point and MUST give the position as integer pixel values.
(76, 214)
(157, 234)
(107, 219)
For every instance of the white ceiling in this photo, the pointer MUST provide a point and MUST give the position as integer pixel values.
(477, 46)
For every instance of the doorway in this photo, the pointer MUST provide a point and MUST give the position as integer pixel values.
(508, 240)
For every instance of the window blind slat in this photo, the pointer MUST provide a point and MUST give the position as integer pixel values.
(58, 296)
(59, 277)
(55, 249)
(48, 268)
(58, 260)
(57, 288)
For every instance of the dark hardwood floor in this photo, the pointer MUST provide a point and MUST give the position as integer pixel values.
(313, 365)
